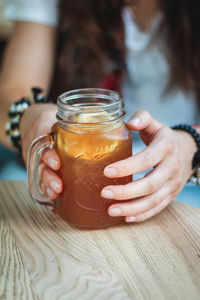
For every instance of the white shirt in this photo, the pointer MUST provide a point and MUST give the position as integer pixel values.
(147, 68)
(38, 11)
(148, 77)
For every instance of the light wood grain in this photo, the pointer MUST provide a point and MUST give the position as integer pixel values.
(63, 263)
(157, 259)
(12, 268)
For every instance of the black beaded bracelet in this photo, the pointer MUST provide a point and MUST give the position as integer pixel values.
(196, 137)
(16, 111)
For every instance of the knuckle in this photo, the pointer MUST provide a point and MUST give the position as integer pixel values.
(145, 114)
(141, 217)
(150, 186)
(148, 160)
(156, 201)
(169, 147)
(127, 210)
(123, 193)
(176, 165)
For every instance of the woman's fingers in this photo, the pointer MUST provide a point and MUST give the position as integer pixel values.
(144, 186)
(51, 180)
(50, 183)
(51, 159)
(143, 121)
(140, 205)
(154, 134)
(144, 160)
(150, 213)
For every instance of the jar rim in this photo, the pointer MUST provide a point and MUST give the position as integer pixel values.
(97, 101)
(112, 95)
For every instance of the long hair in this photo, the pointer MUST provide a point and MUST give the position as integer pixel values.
(181, 30)
(91, 43)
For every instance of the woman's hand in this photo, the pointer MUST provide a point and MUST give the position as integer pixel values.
(169, 154)
(38, 120)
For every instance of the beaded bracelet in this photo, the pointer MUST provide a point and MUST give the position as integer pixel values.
(16, 111)
(195, 178)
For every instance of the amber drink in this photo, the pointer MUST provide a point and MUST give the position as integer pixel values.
(89, 135)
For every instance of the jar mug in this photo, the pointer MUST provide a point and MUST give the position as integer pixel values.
(89, 135)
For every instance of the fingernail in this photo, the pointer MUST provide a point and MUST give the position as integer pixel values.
(110, 172)
(50, 192)
(52, 162)
(115, 211)
(107, 194)
(135, 121)
(55, 185)
(130, 219)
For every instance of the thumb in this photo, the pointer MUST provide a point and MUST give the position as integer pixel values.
(143, 122)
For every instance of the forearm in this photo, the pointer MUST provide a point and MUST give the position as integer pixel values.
(28, 62)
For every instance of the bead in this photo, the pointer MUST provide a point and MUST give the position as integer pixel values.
(15, 133)
(13, 108)
(12, 114)
(7, 126)
(193, 180)
(13, 126)
(25, 105)
(15, 119)
(19, 107)
(36, 91)
(16, 111)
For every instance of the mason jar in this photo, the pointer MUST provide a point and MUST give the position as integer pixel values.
(89, 135)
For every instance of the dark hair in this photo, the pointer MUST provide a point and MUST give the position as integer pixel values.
(181, 29)
(91, 43)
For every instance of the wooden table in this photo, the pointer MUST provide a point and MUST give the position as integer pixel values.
(42, 257)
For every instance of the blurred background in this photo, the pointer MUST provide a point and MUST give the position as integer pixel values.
(6, 28)
(10, 165)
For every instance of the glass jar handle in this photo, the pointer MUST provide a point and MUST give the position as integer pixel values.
(40, 144)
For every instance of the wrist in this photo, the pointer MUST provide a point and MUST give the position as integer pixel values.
(17, 110)
(192, 144)
(188, 146)
(196, 138)
(188, 141)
